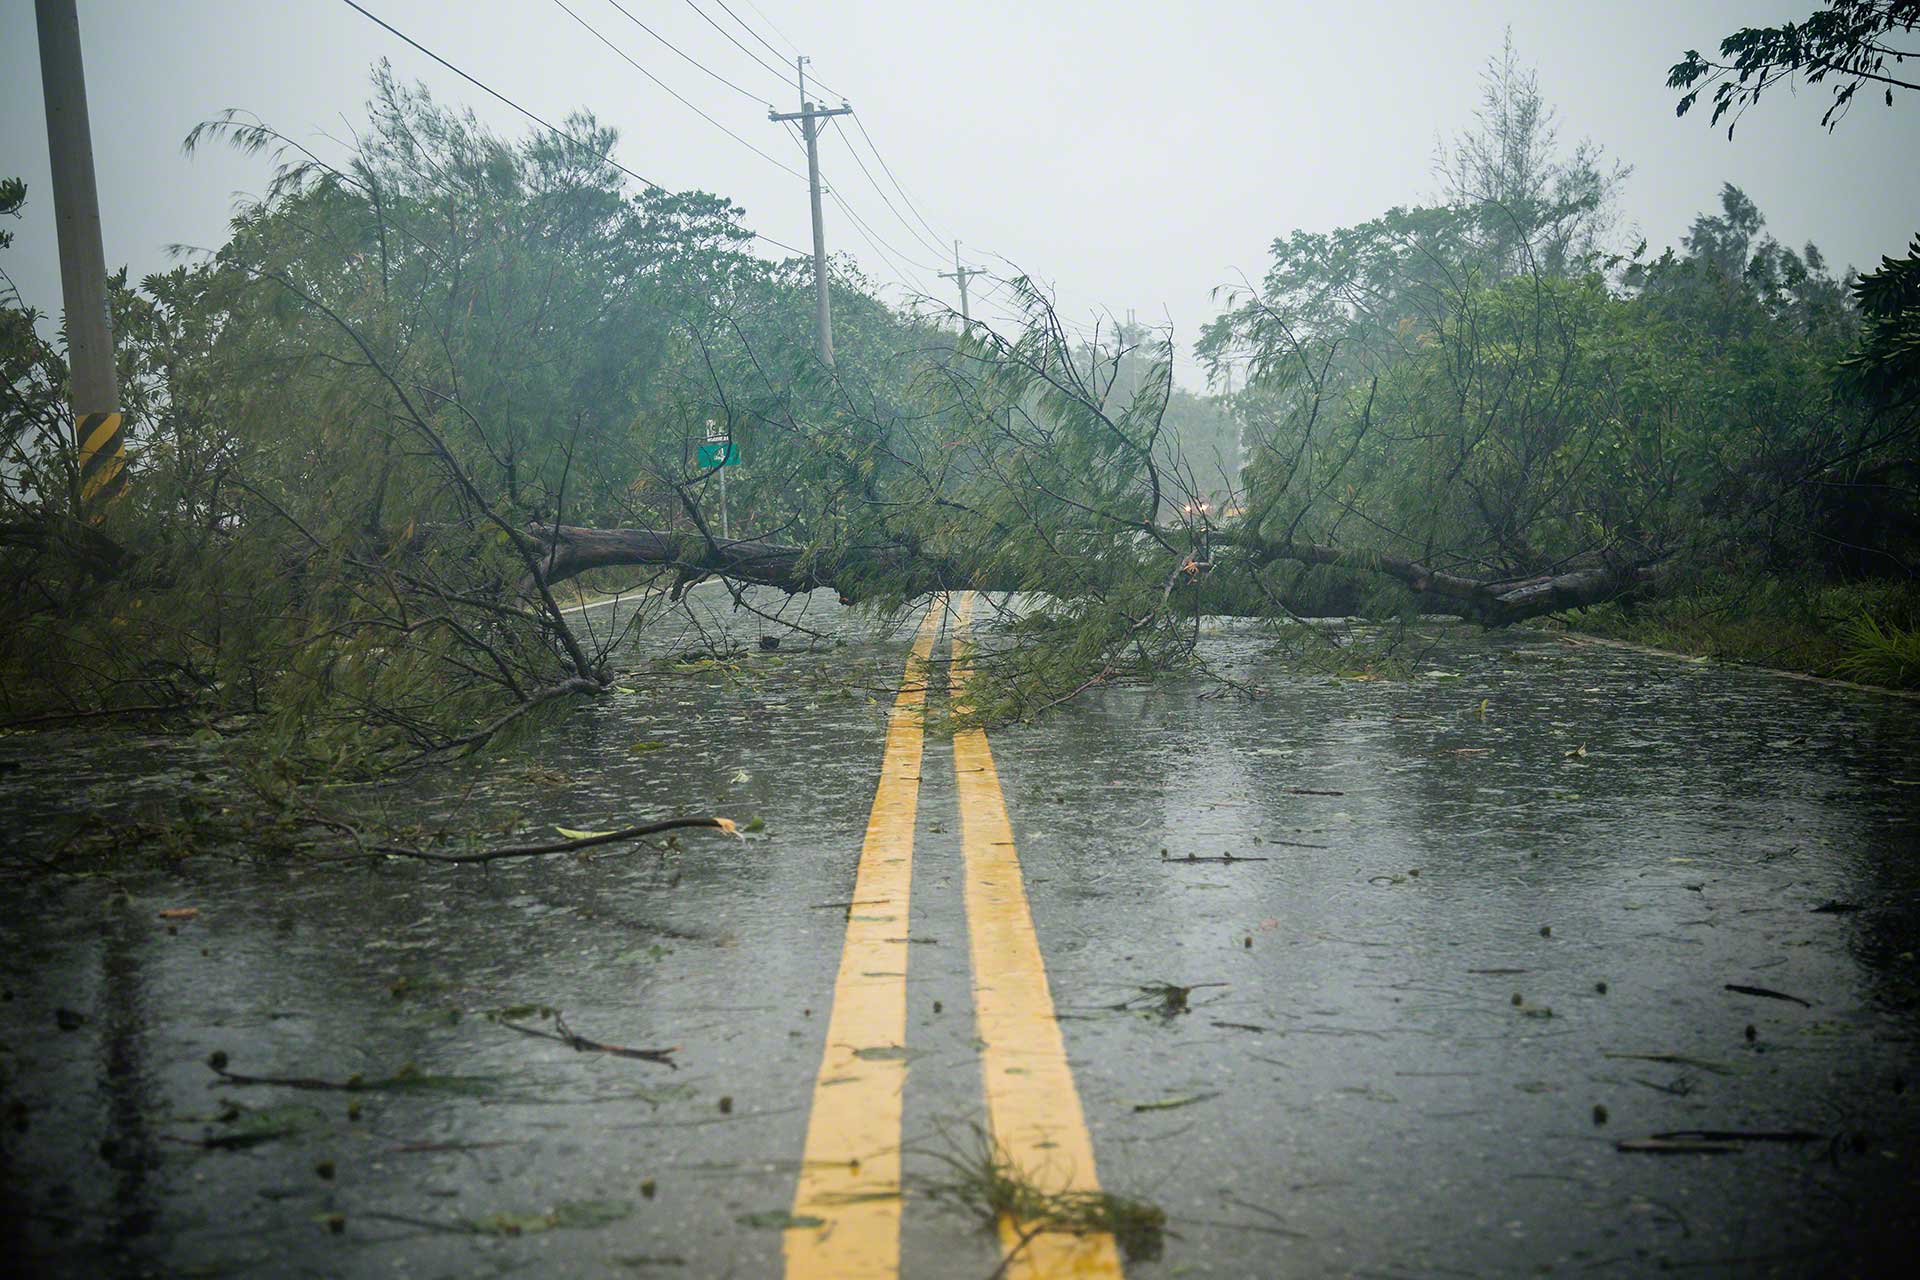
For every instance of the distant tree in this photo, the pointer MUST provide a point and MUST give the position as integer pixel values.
(1540, 205)
(1846, 41)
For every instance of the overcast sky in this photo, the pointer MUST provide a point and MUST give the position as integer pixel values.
(1134, 155)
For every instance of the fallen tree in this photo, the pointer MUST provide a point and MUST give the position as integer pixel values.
(570, 550)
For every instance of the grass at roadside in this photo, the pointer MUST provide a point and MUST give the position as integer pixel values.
(1868, 632)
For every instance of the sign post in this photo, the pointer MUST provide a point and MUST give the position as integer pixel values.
(719, 451)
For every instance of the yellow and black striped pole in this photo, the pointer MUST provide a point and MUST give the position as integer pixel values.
(103, 458)
(99, 431)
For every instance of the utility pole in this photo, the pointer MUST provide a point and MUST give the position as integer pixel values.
(94, 392)
(810, 117)
(962, 275)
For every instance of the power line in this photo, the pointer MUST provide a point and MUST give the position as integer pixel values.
(675, 95)
(866, 231)
(872, 237)
(905, 277)
(771, 23)
(938, 241)
(628, 15)
(750, 31)
(871, 146)
(896, 248)
(550, 128)
(911, 229)
(781, 72)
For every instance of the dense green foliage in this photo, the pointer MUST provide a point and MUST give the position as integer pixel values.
(1475, 386)
(353, 418)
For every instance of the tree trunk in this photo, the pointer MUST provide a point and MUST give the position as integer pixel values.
(572, 550)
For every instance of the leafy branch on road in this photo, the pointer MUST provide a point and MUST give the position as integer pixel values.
(982, 1179)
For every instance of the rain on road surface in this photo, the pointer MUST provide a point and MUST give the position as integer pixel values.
(1477, 928)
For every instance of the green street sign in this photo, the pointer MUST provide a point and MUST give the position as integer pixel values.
(719, 453)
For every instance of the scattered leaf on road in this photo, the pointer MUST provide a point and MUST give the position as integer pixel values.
(1673, 1059)
(779, 1220)
(1168, 1104)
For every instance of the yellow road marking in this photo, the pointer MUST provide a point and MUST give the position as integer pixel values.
(1033, 1110)
(850, 1174)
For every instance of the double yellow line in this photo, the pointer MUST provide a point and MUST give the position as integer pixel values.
(850, 1172)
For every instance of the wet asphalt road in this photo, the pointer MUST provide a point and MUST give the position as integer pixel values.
(1350, 1087)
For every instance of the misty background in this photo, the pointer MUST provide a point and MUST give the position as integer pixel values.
(1132, 157)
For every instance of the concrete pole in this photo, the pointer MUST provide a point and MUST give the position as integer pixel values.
(810, 118)
(95, 385)
(822, 304)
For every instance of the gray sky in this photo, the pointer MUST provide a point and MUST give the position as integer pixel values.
(1134, 155)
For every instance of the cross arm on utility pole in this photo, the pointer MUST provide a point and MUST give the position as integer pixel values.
(811, 111)
(960, 275)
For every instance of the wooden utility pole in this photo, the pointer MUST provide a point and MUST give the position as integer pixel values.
(961, 275)
(810, 117)
(94, 391)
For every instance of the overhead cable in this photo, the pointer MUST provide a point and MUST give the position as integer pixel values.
(938, 249)
(745, 26)
(771, 23)
(676, 96)
(628, 15)
(880, 246)
(872, 146)
(554, 129)
(781, 72)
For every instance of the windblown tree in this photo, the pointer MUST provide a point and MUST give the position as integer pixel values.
(1537, 204)
(1848, 46)
(419, 390)
(361, 422)
(1475, 404)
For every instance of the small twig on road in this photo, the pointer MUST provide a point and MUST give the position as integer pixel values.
(1026, 1238)
(444, 1228)
(1673, 1059)
(288, 1082)
(1225, 857)
(1677, 1147)
(435, 1148)
(1741, 1135)
(1238, 1203)
(407, 1077)
(543, 849)
(1679, 1088)
(580, 1044)
(1769, 994)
